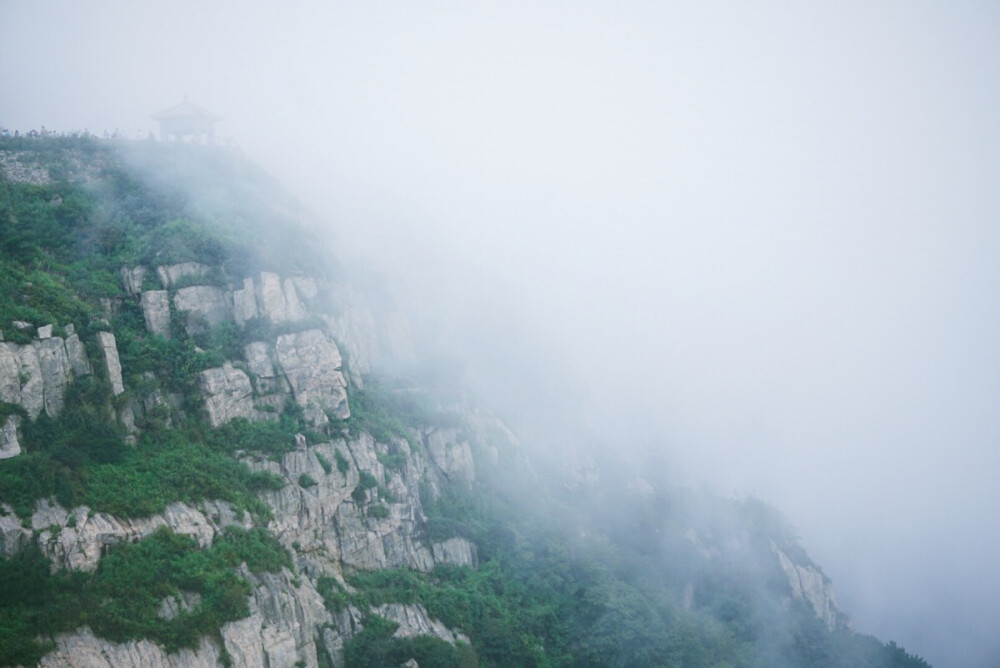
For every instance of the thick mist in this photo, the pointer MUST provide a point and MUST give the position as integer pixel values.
(763, 239)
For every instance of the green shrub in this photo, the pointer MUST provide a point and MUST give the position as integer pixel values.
(325, 463)
(306, 481)
(342, 464)
(375, 647)
(259, 549)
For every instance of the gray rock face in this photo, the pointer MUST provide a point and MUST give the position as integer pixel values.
(32, 385)
(271, 297)
(228, 394)
(10, 365)
(44, 332)
(452, 456)
(9, 444)
(35, 376)
(245, 303)
(810, 585)
(76, 353)
(172, 273)
(306, 287)
(294, 310)
(114, 367)
(457, 551)
(84, 650)
(206, 306)
(413, 621)
(311, 363)
(357, 332)
(54, 365)
(258, 357)
(15, 168)
(13, 536)
(332, 528)
(285, 619)
(79, 547)
(328, 518)
(277, 300)
(132, 279)
(156, 312)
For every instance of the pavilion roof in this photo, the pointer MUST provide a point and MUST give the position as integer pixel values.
(185, 110)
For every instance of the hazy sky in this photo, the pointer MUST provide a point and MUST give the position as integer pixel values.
(768, 231)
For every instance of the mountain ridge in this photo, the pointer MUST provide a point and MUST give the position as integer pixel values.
(186, 377)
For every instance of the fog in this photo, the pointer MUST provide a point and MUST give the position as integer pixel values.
(764, 237)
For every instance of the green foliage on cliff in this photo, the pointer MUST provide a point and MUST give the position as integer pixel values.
(124, 598)
(375, 647)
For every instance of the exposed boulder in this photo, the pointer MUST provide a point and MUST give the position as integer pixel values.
(206, 306)
(13, 536)
(156, 311)
(311, 363)
(35, 375)
(83, 649)
(810, 585)
(113, 365)
(10, 365)
(456, 551)
(258, 357)
(10, 446)
(271, 298)
(80, 536)
(413, 621)
(245, 303)
(76, 353)
(294, 310)
(286, 615)
(170, 274)
(55, 369)
(132, 279)
(452, 455)
(228, 394)
(32, 394)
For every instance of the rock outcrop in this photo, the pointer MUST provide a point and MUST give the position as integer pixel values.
(132, 279)
(76, 538)
(452, 455)
(347, 504)
(311, 363)
(10, 446)
(156, 311)
(810, 585)
(35, 375)
(413, 620)
(112, 364)
(171, 274)
(205, 306)
(228, 394)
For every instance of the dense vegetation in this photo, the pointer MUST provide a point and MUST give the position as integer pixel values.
(545, 596)
(122, 599)
(567, 576)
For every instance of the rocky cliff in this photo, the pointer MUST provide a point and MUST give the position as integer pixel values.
(358, 515)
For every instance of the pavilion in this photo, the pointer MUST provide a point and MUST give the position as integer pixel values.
(185, 121)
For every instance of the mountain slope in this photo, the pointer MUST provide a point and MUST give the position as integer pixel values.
(205, 461)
